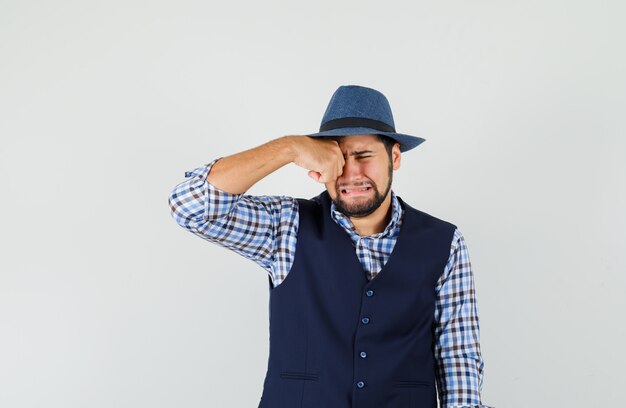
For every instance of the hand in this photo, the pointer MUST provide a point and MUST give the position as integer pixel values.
(321, 156)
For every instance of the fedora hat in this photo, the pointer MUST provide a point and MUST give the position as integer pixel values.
(357, 110)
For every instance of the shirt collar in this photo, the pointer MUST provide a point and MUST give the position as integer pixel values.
(396, 214)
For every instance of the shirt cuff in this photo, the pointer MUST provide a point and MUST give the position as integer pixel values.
(200, 173)
(217, 203)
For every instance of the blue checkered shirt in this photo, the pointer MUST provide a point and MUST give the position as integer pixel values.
(264, 228)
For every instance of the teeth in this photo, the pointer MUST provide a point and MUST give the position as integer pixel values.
(361, 189)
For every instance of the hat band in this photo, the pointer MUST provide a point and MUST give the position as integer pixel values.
(356, 122)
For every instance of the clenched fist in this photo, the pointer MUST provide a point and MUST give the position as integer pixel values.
(321, 156)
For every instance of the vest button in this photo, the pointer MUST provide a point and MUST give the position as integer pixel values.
(360, 384)
(363, 354)
(369, 292)
(365, 320)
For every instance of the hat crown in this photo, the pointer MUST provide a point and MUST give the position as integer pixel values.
(354, 101)
(358, 110)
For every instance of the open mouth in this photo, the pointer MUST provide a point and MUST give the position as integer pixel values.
(352, 191)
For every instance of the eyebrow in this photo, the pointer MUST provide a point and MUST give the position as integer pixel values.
(357, 152)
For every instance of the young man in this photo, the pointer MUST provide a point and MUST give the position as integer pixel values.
(371, 301)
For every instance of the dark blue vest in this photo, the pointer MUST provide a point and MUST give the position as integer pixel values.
(338, 340)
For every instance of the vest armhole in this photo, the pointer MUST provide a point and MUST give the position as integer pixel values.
(307, 209)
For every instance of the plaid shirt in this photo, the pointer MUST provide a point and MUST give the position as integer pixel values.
(264, 228)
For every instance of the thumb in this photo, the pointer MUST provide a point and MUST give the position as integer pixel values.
(315, 175)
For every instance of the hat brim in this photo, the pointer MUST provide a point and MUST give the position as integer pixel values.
(407, 142)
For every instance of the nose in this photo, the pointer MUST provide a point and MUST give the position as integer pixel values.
(351, 171)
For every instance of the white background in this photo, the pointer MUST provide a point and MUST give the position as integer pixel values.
(106, 302)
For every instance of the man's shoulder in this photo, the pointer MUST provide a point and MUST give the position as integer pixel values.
(426, 217)
(317, 201)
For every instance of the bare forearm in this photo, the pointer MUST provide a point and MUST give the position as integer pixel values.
(238, 172)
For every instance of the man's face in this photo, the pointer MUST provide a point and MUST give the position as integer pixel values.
(367, 175)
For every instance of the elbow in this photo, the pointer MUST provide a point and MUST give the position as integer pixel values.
(178, 211)
(189, 212)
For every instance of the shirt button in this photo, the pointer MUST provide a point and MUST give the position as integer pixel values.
(369, 292)
(363, 354)
(360, 384)
(365, 320)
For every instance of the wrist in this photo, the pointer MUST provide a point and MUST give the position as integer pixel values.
(291, 145)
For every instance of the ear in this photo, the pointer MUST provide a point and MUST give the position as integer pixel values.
(396, 156)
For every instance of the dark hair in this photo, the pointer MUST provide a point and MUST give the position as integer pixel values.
(388, 142)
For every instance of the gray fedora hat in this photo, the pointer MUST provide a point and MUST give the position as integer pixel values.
(356, 110)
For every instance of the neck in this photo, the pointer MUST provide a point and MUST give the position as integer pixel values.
(376, 221)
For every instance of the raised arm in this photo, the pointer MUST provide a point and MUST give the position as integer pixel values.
(211, 203)
(235, 174)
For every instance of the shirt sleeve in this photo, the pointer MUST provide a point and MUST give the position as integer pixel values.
(457, 342)
(260, 228)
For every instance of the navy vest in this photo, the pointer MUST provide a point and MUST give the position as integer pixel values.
(338, 340)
